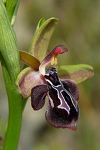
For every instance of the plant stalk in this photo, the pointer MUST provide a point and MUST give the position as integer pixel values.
(11, 68)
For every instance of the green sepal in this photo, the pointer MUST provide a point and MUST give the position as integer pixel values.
(26, 80)
(42, 37)
(41, 21)
(22, 74)
(78, 73)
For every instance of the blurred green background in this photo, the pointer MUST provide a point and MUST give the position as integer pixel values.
(79, 30)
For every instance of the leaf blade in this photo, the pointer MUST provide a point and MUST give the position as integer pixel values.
(8, 45)
(12, 7)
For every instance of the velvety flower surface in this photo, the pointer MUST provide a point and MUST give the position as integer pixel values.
(43, 80)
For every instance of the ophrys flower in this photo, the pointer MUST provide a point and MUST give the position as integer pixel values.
(43, 80)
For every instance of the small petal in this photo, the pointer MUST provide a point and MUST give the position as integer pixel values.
(29, 60)
(60, 49)
(38, 95)
(51, 58)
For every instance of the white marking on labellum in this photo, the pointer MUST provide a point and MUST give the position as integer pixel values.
(60, 106)
(60, 97)
(74, 102)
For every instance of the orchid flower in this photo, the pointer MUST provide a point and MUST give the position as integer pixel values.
(43, 80)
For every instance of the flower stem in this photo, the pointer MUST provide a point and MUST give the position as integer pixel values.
(16, 106)
(9, 57)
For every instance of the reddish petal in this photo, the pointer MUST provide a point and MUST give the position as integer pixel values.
(38, 95)
(59, 50)
(50, 59)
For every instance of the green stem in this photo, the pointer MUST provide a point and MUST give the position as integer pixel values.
(11, 68)
(15, 113)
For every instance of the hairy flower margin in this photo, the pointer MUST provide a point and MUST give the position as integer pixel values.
(42, 80)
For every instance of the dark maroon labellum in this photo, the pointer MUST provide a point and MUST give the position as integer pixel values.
(62, 101)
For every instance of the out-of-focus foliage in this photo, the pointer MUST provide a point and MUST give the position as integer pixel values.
(79, 30)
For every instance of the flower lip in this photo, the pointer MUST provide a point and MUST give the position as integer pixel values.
(63, 108)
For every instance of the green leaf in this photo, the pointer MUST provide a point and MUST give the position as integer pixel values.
(8, 46)
(42, 37)
(12, 7)
(78, 73)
